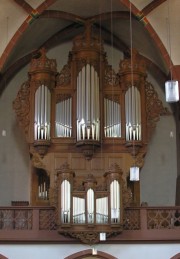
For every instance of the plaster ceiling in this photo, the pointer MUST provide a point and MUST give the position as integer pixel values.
(27, 25)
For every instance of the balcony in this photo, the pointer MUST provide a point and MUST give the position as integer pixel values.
(38, 224)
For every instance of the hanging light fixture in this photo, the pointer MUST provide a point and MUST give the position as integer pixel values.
(171, 86)
(134, 170)
(134, 173)
(172, 91)
(102, 236)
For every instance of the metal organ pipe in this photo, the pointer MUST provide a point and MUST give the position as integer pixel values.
(133, 114)
(78, 210)
(63, 118)
(88, 104)
(102, 210)
(115, 201)
(42, 113)
(65, 201)
(90, 205)
(112, 121)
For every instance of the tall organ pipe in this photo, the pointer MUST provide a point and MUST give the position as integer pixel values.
(133, 114)
(63, 118)
(65, 201)
(42, 113)
(115, 201)
(112, 118)
(88, 104)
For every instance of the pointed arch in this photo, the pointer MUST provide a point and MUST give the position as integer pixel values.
(88, 252)
(3, 257)
(177, 256)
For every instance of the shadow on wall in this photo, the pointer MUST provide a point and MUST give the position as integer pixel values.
(86, 254)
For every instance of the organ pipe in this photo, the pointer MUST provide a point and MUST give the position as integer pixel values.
(112, 121)
(102, 210)
(63, 118)
(78, 210)
(133, 114)
(115, 201)
(90, 205)
(65, 201)
(88, 124)
(42, 113)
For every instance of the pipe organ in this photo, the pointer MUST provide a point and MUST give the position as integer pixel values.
(86, 102)
(88, 204)
(86, 108)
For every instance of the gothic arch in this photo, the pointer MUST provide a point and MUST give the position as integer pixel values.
(177, 256)
(3, 257)
(88, 252)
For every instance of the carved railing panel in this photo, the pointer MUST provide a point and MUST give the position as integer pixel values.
(131, 219)
(29, 224)
(163, 218)
(47, 219)
(15, 219)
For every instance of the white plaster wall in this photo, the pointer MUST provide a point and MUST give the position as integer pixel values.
(123, 251)
(159, 173)
(14, 157)
(158, 176)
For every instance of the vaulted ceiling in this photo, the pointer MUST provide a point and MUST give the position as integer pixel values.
(27, 25)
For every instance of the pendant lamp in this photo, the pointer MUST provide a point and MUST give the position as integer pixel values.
(134, 173)
(172, 91)
(134, 170)
(171, 86)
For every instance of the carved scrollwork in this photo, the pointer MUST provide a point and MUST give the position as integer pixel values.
(43, 62)
(110, 78)
(154, 108)
(37, 161)
(21, 106)
(62, 97)
(90, 237)
(83, 61)
(114, 167)
(64, 77)
(38, 83)
(114, 97)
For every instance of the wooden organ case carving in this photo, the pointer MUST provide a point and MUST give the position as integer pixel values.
(85, 126)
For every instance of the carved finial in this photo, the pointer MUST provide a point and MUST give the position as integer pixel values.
(42, 62)
(136, 61)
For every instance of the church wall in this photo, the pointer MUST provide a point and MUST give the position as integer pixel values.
(14, 157)
(158, 176)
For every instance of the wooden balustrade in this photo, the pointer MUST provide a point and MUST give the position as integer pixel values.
(39, 224)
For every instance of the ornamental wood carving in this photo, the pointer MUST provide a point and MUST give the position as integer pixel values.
(110, 77)
(21, 106)
(154, 108)
(64, 78)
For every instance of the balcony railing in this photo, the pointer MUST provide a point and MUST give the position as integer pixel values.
(28, 224)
